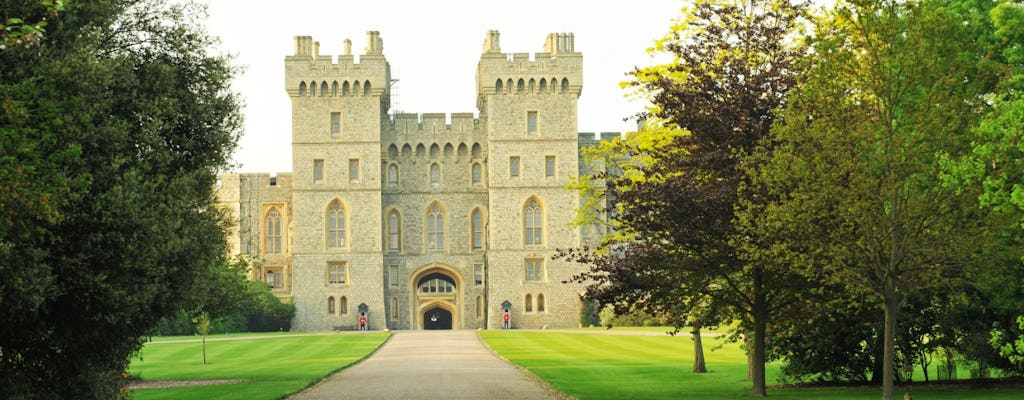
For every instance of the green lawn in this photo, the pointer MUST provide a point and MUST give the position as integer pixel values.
(595, 366)
(272, 366)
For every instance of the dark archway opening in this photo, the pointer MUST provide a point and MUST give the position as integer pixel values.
(437, 318)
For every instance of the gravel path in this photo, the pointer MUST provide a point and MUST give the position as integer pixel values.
(432, 365)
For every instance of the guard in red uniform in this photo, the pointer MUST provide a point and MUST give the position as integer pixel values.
(362, 322)
(506, 318)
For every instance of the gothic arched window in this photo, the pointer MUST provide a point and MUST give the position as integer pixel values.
(533, 230)
(477, 225)
(394, 231)
(272, 241)
(335, 225)
(435, 228)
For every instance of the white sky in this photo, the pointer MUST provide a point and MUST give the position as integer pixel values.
(433, 48)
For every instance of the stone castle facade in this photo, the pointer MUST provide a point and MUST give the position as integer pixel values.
(421, 222)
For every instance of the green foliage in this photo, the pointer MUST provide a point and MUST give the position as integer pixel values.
(15, 31)
(853, 193)
(674, 186)
(1010, 343)
(112, 131)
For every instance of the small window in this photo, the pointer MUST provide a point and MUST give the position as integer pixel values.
(540, 303)
(302, 88)
(353, 170)
(478, 274)
(528, 304)
(335, 124)
(479, 307)
(343, 305)
(318, 171)
(394, 231)
(534, 270)
(393, 275)
(394, 308)
(330, 305)
(476, 173)
(337, 273)
(549, 166)
(531, 121)
(275, 278)
(477, 221)
(392, 175)
(435, 174)
(513, 167)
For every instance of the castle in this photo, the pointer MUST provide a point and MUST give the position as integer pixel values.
(439, 222)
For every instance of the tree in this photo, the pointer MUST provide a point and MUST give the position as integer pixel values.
(672, 204)
(21, 31)
(113, 130)
(857, 196)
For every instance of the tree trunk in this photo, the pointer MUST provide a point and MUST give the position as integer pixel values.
(892, 305)
(749, 342)
(760, 317)
(698, 351)
(204, 349)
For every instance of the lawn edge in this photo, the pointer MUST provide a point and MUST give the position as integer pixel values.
(558, 393)
(324, 378)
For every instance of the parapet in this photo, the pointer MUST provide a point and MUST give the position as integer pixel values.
(308, 73)
(558, 69)
(461, 123)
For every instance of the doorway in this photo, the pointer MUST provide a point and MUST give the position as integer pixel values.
(437, 318)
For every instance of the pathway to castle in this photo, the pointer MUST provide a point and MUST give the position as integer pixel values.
(432, 365)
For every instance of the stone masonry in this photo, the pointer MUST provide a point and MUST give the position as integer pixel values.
(429, 221)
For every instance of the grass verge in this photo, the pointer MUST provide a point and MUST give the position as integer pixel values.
(599, 366)
(271, 366)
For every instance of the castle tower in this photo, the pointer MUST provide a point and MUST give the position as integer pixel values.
(530, 109)
(338, 111)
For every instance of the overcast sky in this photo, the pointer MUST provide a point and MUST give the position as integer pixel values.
(433, 48)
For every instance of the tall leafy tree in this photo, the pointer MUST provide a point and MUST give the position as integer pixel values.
(672, 204)
(858, 197)
(112, 130)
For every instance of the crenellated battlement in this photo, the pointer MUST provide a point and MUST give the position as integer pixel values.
(428, 123)
(308, 73)
(556, 70)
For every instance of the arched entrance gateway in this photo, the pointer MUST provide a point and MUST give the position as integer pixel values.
(436, 297)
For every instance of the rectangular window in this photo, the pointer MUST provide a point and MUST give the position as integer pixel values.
(335, 124)
(393, 275)
(549, 166)
(394, 308)
(513, 167)
(275, 278)
(337, 273)
(478, 273)
(318, 171)
(353, 169)
(531, 121)
(534, 270)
